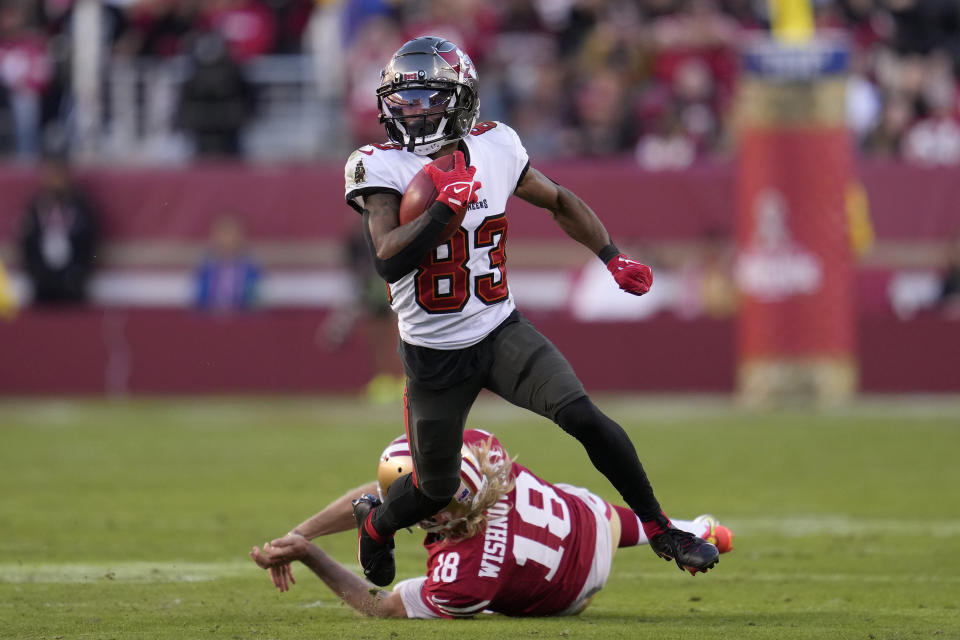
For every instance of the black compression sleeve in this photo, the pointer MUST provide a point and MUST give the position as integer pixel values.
(408, 258)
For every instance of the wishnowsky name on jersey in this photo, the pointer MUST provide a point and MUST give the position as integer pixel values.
(495, 540)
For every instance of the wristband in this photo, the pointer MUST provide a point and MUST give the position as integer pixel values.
(608, 253)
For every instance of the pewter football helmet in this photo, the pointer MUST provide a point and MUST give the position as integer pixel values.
(428, 95)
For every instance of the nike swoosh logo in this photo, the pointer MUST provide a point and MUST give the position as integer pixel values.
(460, 190)
(369, 153)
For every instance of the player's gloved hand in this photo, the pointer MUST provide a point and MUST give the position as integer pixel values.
(456, 188)
(632, 276)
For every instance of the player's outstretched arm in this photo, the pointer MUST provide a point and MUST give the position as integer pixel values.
(335, 517)
(356, 592)
(580, 223)
(572, 214)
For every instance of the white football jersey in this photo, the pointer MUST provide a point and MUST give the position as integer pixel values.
(458, 294)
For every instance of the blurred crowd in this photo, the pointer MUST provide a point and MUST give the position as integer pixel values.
(650, 78)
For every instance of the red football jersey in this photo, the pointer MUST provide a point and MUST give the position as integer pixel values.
(533, 558)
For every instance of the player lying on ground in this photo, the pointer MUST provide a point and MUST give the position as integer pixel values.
(459, 327)
(509, 542)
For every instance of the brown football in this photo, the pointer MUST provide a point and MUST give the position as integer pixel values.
(421, 193)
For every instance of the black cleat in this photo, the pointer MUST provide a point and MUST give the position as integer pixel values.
(690, 552)
(376, 558)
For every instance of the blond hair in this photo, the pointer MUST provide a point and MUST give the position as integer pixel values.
(495, 468)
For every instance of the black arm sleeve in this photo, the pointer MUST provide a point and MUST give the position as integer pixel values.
(408, 258)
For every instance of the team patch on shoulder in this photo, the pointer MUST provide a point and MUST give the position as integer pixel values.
(360, 172)
(482, 128)
(383, 146)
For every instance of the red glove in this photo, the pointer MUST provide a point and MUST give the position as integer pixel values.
(456, 187)
(632, 276)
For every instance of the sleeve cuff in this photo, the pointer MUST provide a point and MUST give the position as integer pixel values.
(352, 196)
(523, 173)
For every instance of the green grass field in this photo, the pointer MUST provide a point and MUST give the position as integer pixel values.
(132, 519)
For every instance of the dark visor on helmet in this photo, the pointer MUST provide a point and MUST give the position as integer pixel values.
(407, 104)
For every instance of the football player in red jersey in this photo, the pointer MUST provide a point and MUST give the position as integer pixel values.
(509, 542)
(460, 330)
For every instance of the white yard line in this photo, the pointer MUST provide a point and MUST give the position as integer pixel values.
(141, 572)
(798, 526)
(717, 575)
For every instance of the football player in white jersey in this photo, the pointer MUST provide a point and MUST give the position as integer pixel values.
(459, 327)
(509, 542)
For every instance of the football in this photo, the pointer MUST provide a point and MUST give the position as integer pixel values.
(421, 193)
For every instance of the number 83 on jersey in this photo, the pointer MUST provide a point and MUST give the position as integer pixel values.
(468, 264)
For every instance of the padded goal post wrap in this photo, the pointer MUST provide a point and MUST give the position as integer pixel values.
(794, 263)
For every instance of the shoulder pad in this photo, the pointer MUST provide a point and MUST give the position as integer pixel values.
(368, 167)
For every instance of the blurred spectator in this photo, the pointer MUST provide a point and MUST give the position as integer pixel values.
(591, 77)
(216, 100)
(228, 277)
(698, 31)
(935, 138)
(696, 103)
(667, 146)
(247, 26)
(369, 312)
(922, 27)
(375, 41)
(58, 240)
(716, 287)
(8, 305)
(161, 27)
(886, 140)
(602, 125)
(864, 104)
(705, 282)
(469, 23)
(536, 118)
(292, 19)
(25, 72)
(950, 282)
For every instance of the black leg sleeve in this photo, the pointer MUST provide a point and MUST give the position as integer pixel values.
(435, 420)
(612, 453)
(405, 506)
